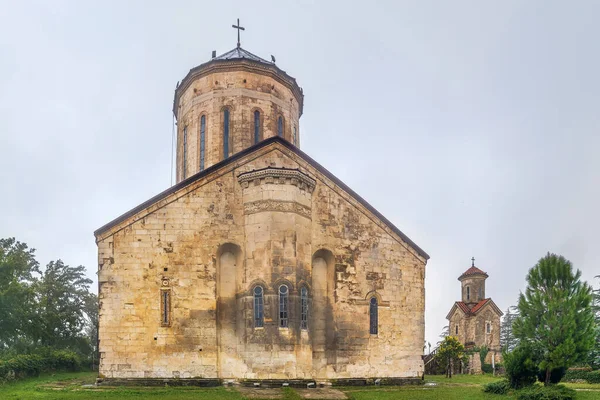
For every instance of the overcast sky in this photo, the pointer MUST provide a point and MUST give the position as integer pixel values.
(473, 127)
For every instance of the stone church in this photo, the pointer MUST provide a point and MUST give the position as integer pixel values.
(475, 320)
(258, 264)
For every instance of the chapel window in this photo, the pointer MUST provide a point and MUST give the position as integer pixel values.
(259, 317)
(488, 327)
(165, 307)
(283, 306)
(280, 126)
(304, 308)
(456, 329)
(202, 141)
(468, 293)
(184, 169)
(225, 133)
(373, 317)
(256, 126)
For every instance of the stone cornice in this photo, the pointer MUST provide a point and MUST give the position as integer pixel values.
(238, 65)
(278, 176)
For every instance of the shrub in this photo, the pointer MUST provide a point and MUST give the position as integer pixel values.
(500, 387)
(586, 375)
(487, 368)
(552, 392)
(520, 368)
(555, 375)
(28, 365)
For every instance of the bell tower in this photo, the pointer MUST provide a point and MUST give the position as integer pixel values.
(230, 103)
(473, 284)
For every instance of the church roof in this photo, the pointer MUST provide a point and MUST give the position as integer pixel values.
(472, 271)
(470, 310)
(239, 53)
(249, 150)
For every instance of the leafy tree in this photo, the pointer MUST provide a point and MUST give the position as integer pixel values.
(594, 357)
(91, 329)
(556, 316)
(520, 366)
(63, 293)
(18, 268)
(508, 341)
(450, 352)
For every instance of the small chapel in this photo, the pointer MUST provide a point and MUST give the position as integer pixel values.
(475, 320)
(258, 264)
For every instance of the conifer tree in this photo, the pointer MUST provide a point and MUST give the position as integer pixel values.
(508, 341)
(556, 316)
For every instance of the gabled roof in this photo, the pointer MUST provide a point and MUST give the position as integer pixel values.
(470, 311)
(249, 150)
(472, 271)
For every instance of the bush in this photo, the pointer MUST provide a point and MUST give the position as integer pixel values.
(552, 392)
(555, 375)
(487, 368)
(586, 375)
(520, 368)
(500, 387)
(28, 365)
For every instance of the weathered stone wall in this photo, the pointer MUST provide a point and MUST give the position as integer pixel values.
(213, 241)
(243, 93)
(472, 330)
(477, 289)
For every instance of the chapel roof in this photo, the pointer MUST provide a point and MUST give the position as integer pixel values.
(238, 53)
(472, 271)
(470, 310)
(243, 153)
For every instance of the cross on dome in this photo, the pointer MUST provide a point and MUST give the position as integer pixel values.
(239, 28)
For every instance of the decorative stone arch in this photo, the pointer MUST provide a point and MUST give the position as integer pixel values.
(321, 322)
(255, 283)
(283, 281)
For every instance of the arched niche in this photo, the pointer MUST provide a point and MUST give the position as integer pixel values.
(322, 324)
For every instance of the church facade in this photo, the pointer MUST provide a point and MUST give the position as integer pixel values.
(475, 320)
(258, 263)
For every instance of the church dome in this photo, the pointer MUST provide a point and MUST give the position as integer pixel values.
(230, 103)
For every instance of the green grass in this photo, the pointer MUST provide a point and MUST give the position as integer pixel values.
(69, 386)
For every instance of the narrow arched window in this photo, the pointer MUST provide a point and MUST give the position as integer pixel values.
(468, 293)
(202, 141)
(280, 126)
(295, 139)
(304, 308)
(373, 316)
(225, 133)
(457, 329)
(283, 306)
(259, 317)
(184, 167)
(256, 126)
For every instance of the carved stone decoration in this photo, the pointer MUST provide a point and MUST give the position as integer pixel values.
(278, 176)
(277, 205)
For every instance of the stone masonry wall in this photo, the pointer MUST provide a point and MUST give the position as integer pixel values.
(211, 242)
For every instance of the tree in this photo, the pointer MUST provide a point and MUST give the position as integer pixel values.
(556, 316)
(445, 333)
(451, 351)
(508, 341)
(594, 357)
(63, 294)
(18, 268)
(91, 327)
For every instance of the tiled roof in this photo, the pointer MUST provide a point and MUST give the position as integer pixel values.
(238, 53)
(478, 306)
(464, 307)
(472, 271)
(470, 311)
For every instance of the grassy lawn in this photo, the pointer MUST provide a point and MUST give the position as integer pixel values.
(70, 386)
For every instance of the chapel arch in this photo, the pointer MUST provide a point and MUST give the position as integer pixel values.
(321, 326)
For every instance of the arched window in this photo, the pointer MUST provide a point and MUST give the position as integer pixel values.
(184, 168)
(457, 329)
(225, 133)
(256, 126)
(280, 126)
(304, 308)
(202, 140)
(373, 318)
(294, 138)
(259, 315)
(468, 293)
(283, 306)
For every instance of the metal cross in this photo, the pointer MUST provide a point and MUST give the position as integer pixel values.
(239, 28)
(472, 261)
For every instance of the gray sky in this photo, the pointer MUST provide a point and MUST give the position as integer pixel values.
(473, 127)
